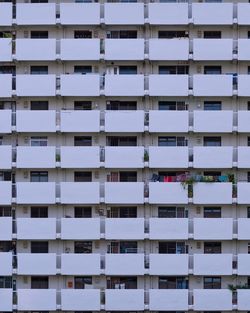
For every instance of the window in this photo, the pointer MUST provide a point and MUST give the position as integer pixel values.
(172, 105)
(39, 212)
(121, 105)
(212, 105)
(212, 34)
(83, 247)
(83, 141)
(212, 141)
(39, 1)
(172, 247)
(39, 282)
(171, 212)
(248, 212)
(39, 34)
(169, 34)
(212, 247)
(214, 212)
(38, 141)
(248, 177)
(8, 69)
(5, 176)
(127, 70)
(83, 212)
(39, 105)
(82, 34)
(122, 34)
(171, 141)
(122, 247)
(173, 69)
(122, 212)
(82, 105)
(122, 282)
(39, 247)
(5, 282)
(212, 70)
(80, 282)
(39, 70)
(5, 211)
(212, 283)
(5, 246)
(248, 141)
(82, 69)
(121, 141)
(82, 176)
(128, 176)
(171, 282)
(40, 177)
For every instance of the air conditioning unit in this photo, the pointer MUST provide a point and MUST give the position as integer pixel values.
(25, 174)
(25, 209)
(198, 245)
(25, 244)
(199, 33)
(26, 34)
(199, 69)
(26, 104)
(198, 210)
(96, 175)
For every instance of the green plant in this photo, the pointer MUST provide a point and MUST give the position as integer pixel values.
(146, 156)
(231, 178)
(236, 287)
(58, 158)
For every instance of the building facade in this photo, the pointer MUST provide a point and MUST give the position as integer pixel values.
(124, 156)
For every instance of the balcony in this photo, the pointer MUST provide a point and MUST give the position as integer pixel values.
(36, 228)
(212, 13)
(124, 49)
(168, 49)
(243, 229)
(127, 193)
(243, 193)
(124, 13)
(213, 264)
(80, 193)
(5, 48)
(213, 121)
(124, 85)
(36, 121)
(168, 13)
(124, 121)
(243, 121)
(168, 264)
(6, 263)
(5, 17)
(212, 85)
(170, 228)
(243, 157)
(212, 49)
(168, 85)
(167, 193)
(6, 86)
(243, 13)
(36, 157)
(36, 49)
(80, 264)
(80, 49)
(77, 85)
(80, 121)
(243, 297)
(124, 299)
(124, 228)
(222, 229)
(36, 13)
(212, 299)
(168, 299)
(36, 193)
(6, 300)
(243, 263)
(34, 299)
(5, 193)
(222, 157)
(80, 13)
(168, 157)
(212, 193)
(168, 121)
(243, 86)
(80, 157)
(124, 157)
(5, 228)
(76, 300)
(5, 157)
(124, 264)
(5, 120)
(243, 49)
(80, 229)
(36, 264)
(36, 85)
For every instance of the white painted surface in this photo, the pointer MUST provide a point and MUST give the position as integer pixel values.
(80, 13)
(124, 121)
(170, 228)
(5, 228)
(212, 49)
(36, 228)
(124, 13)
(168, 85)
(244, 49)
(171, 299)
(167, 193)
(243, 229)
(212, 85)
(222, 229)
(168, 49)
(36, 13)
(124, 49)
(80, 157)
(5, 120)
(6, 86)
(168, 121)
(213, 121)
(36, 121)
(243, 13)
(168, 157)
(80, 49)
(168, 264)
(243, 193)
(213, 264)
(243, 262)
(36, 49)
(243, 297)
(36, 157)
(124, 85)
(212, 13)
(80, 229)
(36, 193)
(212, 193)
(124, 299)
(6, 263)
(6, 14)
(168, 13)
(124, 228)
(243, 121)
(80, 121)
(125, 192)
(243, 157)
(6, 300)
(80, 192)
(5, 48)
(5, 157)
(81, 300)
(124, 264)
(212, 299)
(80, 264)
(34, 299)
(213, 157)
(243, 86)
(36, 85)
(5, 192)
(36, 264)
(124, 157)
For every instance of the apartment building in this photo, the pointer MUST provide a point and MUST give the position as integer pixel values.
(124, 156)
